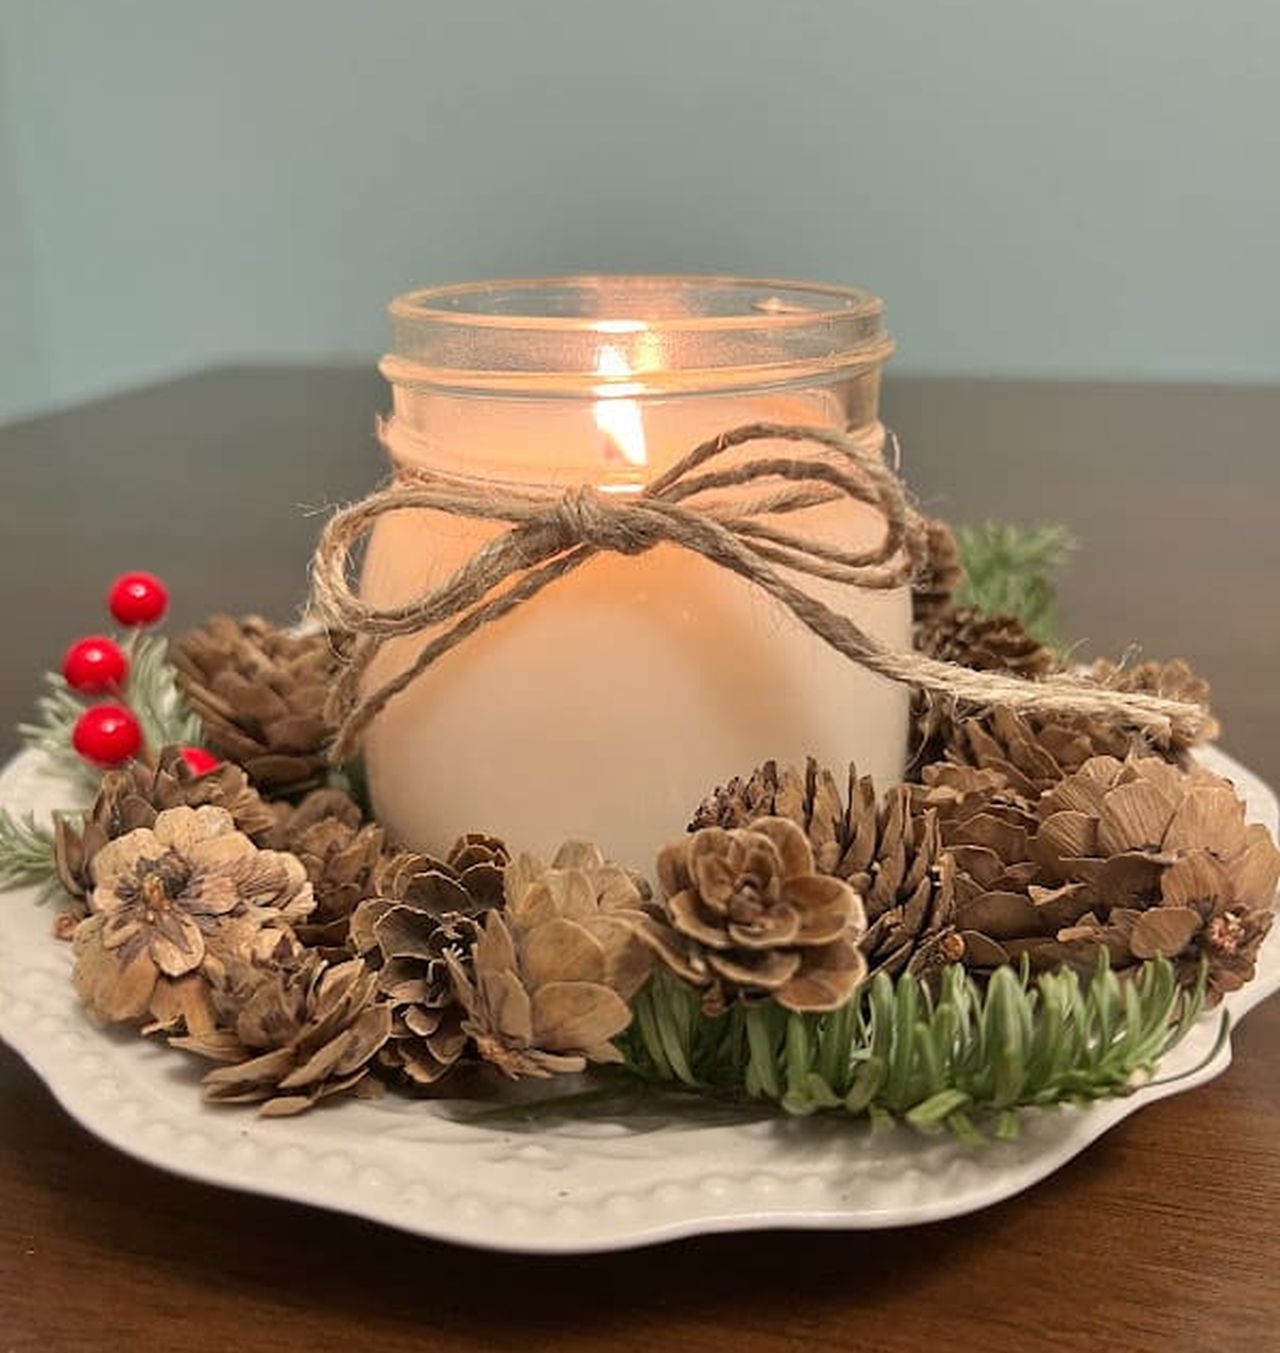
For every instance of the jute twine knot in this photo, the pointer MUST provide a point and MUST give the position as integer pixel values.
(732, 514)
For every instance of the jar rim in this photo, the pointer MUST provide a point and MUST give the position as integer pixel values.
(631, 334)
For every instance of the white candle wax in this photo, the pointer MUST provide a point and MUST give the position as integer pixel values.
(609, 705)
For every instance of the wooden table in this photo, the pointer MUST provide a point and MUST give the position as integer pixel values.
(1166, 1234)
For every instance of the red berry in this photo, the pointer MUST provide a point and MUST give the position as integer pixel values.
(200, 761)
(107, 735)
(94, 664)
(138, 599)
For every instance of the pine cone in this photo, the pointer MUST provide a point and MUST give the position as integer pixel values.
(1031, 753)
(341, 854)
(897, 863)
(811, 799)
(293, 1036)
(173, 903)
(547, 985)
(1140, 857)
(261, 694)
(744, 914)
(986, 643)
(137, 794)
(1175, 680)
(471, 875)
(942, 574)
(891, 856)
(408, 947)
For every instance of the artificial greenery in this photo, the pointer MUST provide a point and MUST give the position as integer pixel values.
(150, 691)
(1009, 570)
(900, 1052)
(26, 853)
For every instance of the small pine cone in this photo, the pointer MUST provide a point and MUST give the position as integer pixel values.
(260, 693)
(1176, 680)
(809, 798)
(941, 575)
(171, 905)
(135, 795)
(1031, 752)
(293, 1036)
(986, 643)
(744, 916)
(471, 875)
(547, 985)
(409, 947)
(341, 854)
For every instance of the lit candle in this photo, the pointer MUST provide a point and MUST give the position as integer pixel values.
(610, 704)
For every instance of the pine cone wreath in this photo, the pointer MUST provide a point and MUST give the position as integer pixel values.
(260, 693)
(744, 914)
(341, 855)
(942, 573)
(172, 903)
(408, 947)
(136, 795)
(986, 643)
(548, 983)
(294, 1035)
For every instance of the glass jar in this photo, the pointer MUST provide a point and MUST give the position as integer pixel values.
(607, 707)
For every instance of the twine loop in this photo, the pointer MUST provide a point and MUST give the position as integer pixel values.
(733, 513)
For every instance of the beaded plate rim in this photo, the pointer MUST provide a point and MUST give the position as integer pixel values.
(536, 1184)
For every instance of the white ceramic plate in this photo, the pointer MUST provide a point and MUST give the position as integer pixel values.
(535, 1183)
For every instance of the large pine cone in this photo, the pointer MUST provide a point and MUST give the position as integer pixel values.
(744, 914)
(135, 795)
(1139, 857)
(260, 693)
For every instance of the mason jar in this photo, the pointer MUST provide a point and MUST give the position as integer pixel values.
(609, 705)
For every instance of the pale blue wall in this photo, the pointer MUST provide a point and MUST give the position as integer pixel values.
(1089, 187)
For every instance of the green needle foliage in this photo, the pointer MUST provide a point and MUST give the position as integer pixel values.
(150, 691)
(899, 1053)
(26, 853)
(1009, 570)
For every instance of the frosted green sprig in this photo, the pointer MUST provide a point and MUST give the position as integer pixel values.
(965, 1057)
(26, 853)
(1009, 570)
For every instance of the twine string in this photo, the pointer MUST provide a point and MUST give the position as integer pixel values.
(727, 514)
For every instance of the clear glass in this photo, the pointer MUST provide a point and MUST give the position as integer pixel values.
(605, 708)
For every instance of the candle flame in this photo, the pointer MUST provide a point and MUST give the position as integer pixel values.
(619, 418)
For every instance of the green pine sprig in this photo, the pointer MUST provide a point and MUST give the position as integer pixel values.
(151, 691)
(1010, 570)
(897, 1053)
(26, 853)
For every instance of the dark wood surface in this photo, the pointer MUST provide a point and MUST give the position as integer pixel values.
(1164, 1235)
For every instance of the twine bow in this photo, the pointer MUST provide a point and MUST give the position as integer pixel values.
(728, 515)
